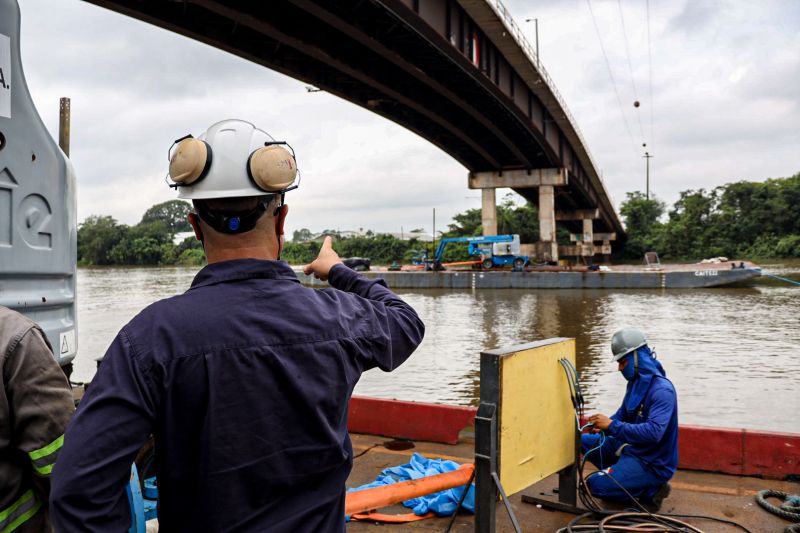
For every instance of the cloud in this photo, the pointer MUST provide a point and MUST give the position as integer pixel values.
(725, 104)
(724, 107)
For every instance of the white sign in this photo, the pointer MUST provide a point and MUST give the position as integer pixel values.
(5, 76)
(705, 273)
(66, 343)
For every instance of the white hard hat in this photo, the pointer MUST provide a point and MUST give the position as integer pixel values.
(231, 159)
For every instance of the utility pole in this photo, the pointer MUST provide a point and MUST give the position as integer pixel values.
(536, 25)
(433, 240)
(647, 158)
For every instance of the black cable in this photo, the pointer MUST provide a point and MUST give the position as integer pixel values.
(676, 515)
(578, 388)
(705, 517)
(632, 498)
(575, 391)
(461, 500)
(365, 451)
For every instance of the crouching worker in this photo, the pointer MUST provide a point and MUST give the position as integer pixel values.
(245, 379)
(636, 449)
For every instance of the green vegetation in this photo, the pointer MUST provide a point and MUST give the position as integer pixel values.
(103, 241)
(738, 220)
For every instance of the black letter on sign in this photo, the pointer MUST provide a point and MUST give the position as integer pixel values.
(3, 79)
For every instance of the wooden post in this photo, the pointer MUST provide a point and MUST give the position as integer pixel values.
(63, 126)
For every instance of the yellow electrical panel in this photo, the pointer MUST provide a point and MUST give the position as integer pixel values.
(536, 422)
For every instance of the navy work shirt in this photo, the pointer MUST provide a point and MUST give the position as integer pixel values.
(245, 381)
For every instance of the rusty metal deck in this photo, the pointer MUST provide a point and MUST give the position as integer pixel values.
(720, 495)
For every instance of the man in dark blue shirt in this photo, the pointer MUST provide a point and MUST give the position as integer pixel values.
(636, 449)
(245, 379)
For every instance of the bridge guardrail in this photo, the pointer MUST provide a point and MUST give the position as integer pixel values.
(508, 21)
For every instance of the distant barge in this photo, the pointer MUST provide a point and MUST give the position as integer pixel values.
(676, 276)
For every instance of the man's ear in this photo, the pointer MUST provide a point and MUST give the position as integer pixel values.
(194, 220)
(280, 219)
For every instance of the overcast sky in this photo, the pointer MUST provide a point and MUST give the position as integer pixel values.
(725, 86)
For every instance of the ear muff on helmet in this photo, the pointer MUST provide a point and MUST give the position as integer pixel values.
(190, 161)
(272, 167)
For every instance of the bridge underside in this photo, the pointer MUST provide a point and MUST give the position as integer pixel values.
(422, 64)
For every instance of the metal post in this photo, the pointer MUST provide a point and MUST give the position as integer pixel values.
(63, 126)
(486, 445)
(568, 477)
(485, 465)
(536, 25)
(647, 157)
(433, 240)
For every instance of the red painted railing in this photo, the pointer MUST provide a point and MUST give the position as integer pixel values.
(731, 451)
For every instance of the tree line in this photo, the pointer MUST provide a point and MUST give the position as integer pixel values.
(383, 249)
(104, 241)
(741, 220)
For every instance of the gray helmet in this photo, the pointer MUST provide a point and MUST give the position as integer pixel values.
(625, 341)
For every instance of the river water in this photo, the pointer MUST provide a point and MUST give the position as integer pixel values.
(731, 353)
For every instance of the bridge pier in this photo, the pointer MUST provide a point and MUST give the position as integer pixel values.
(547, 246)
(545, 180)
(587, 246)
(488, 212)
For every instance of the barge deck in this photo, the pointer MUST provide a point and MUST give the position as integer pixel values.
(699, 493)
(720, 470)
(677, 276)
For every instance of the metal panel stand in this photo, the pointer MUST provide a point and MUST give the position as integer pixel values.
(567, 488)
(485, 466)
(487, 481)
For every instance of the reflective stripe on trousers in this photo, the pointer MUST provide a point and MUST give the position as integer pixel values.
(19, 512)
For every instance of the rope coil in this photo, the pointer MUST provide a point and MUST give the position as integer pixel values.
(789, 509)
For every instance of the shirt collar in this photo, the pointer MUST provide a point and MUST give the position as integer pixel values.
(242, 269)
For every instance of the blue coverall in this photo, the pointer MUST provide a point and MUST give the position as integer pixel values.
(647, 421)
(245, 381)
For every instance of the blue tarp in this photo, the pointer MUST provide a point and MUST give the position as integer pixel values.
(442, 503)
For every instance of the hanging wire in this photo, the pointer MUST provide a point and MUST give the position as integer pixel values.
(630, 67)
(611, 76)
(650, 68)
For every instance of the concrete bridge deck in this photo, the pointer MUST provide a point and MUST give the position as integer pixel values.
(457, 72)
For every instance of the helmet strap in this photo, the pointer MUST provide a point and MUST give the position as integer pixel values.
(635, 362)
(233, 224)
(279, 228)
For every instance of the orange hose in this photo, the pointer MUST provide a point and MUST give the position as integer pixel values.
(461, 263)
(377, 497)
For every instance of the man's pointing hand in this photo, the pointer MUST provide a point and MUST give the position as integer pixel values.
(327, 258)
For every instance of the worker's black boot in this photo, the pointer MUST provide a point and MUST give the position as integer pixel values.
(654, 504)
